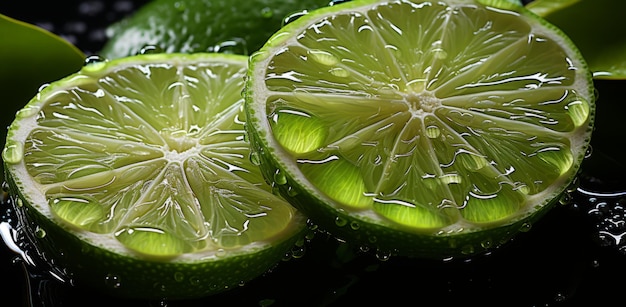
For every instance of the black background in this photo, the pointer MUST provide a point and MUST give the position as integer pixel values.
(561, 261)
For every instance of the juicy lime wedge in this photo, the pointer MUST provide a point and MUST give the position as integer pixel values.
(429, 129)
(139, 168)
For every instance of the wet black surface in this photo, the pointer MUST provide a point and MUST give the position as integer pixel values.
(572, 257)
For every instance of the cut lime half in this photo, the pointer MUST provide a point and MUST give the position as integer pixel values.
(420, 128)
(137, 170)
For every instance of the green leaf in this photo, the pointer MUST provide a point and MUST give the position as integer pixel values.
(596, 27)
(29, 57)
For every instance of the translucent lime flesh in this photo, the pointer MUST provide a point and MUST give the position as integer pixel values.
(153, 153)
(426, 114)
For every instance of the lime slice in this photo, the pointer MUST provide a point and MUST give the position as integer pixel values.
(428, 129)
(137, 170)
(202, 25)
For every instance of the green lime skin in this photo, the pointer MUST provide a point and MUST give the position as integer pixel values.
(228, 26)
(94, 268)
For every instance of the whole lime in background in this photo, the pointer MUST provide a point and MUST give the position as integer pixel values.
(229, 26)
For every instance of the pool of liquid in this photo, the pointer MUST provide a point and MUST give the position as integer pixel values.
(574, 256)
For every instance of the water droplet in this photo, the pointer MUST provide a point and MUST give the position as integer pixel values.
(27, 111)
(560, 297)
(468, 249)
(322, 57)
(194, 280)
(220, 252)
(578, 111)
(94, 59)
(279, 177)
(113, 281)
(150, 49)
(383, 255)
(525, 227)
(234, 45)
(298, 252)
(255, 159)
(335, 2)
(40, 232)
(13, 152)
(293, 16)
(292, 192)
(354, 225)
(589, 152)
(298, 131)
(339, 221)
(565, 199)
(451, 178)
(179, 277)
(80, 212)
(433, 132)
(93, 64)
(267, 12)
(180, 6)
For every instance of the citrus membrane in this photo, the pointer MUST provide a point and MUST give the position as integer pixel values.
(138, 168)
(420, 128)
(202, 25)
